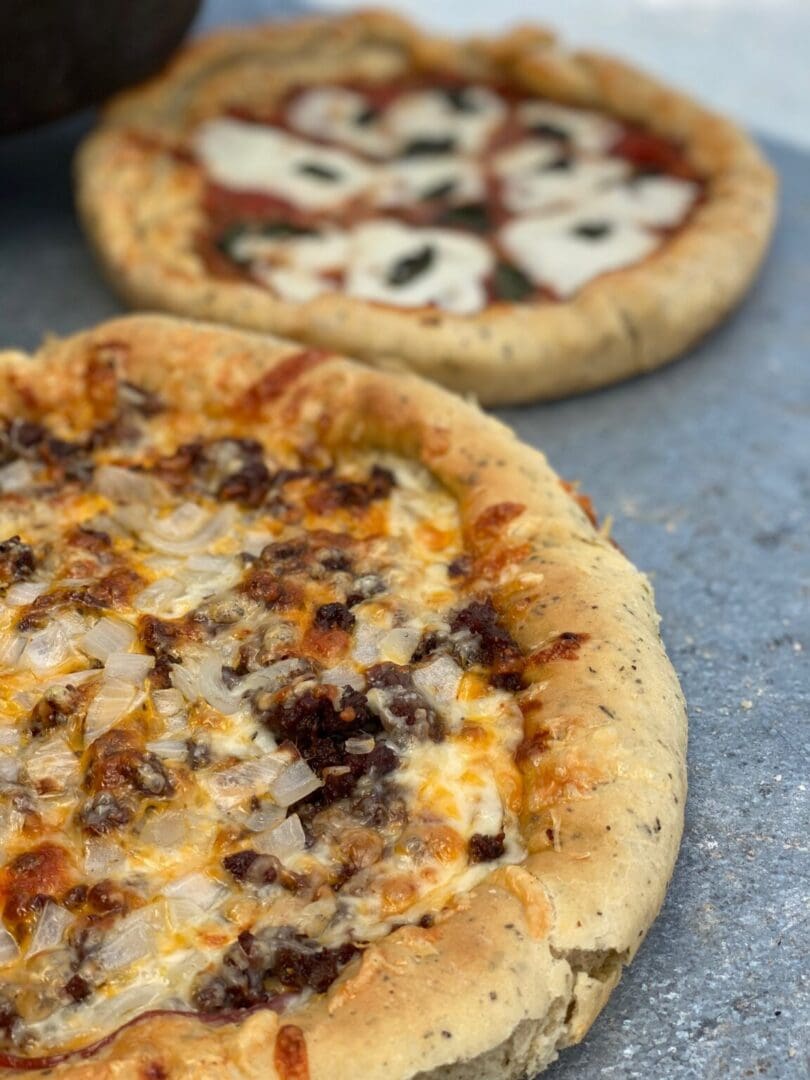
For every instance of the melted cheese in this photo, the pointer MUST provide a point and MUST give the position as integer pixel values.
(431, 115)
(252, 157)
(531, 182)
(552, 253)
(587, 130)
(453, 278)
(337, 114)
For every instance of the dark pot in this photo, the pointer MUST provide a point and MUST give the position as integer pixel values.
(60, 55)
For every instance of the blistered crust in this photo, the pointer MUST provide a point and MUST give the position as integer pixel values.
(523, 964)
(143, 211)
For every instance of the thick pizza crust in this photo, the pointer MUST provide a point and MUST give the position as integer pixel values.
(142, 211)
(526, 960)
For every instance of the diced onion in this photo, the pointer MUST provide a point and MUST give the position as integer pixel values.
(168, 702)
(11, 649)
(53, 761)
(9, 950)
(231, 786)
(200, 889)
(366, 647)
(274, 676)
(51, 925)
(16, 477)
(360, 744)
(107, 636)
(157, 597)
(284, 840)
(185, 678)
(167, 748)
(187, 529)
(23, 593)
(211, 687)
(132, 938)
(101, 857)
(398, 644)
(438, 680)
(266, 817)
(113, 700)
(343, 676)
(9, 736)
(9, 769)
(47, 649)
(115, 1010)
(72, 678)
(128, 667)
(296, 782)
(165, 830)
(127, 486)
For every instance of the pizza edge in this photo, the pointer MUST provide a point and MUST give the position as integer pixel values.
(621, 324)
(529, 957)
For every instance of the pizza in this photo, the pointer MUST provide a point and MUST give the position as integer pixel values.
(335, 739)
(500, 215)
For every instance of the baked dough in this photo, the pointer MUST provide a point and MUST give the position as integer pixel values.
(142, 204)
(516, 968)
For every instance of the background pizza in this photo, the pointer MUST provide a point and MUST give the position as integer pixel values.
(500, 215)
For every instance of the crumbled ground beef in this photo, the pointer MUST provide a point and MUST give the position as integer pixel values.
(486, 848)
(17, 561)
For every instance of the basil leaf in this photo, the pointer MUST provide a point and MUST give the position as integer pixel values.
(426, 147)
(411, 266)
(510, 283)
(473, 216)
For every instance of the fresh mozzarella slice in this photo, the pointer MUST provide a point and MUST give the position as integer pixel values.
(323, 250)
(586, 130)
(463, 119)
(535, 175)
(396, 264)
(252, 157)
(340, 115)
(453, 179)
(292, 284)
(656, 201)
(566, 251)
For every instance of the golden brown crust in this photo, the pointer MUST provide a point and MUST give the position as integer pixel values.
(142, 212)
(603, 759)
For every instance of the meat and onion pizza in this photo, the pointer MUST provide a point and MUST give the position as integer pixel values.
(335, 740)
(500, 215)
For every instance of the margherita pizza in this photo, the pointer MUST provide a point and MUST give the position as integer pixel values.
(501, 216)
(335, 740)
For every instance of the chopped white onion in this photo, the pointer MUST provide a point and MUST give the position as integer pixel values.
(189, 528)
(296, 782)
(53, 761)
(9, 950)
(212, 565)
(366, 647)
(398, 644)
(115, 1010)
(72, 678)
(168, 702)
(132, 938)
(101, 857)
(156, 598)
(128, 667)
(16, 477)
(165, 830)
(167, 748)
(113, 700)
(284, 840)
(11, 649)
(108, 636)
(360, 744)
(273, 677)
(9, 736)
(23, 593)
(200, 889)
(127, 486)
(211, 687)
(266, 817)
(438, 680)
(185, 678)
(343, 676)
(9, 769)
(231, 786)
(50, 929)
(47, 649)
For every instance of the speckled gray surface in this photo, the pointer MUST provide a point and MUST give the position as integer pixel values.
(705, 467)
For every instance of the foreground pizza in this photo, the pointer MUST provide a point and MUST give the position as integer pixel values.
(502, 216)
(334, 739)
